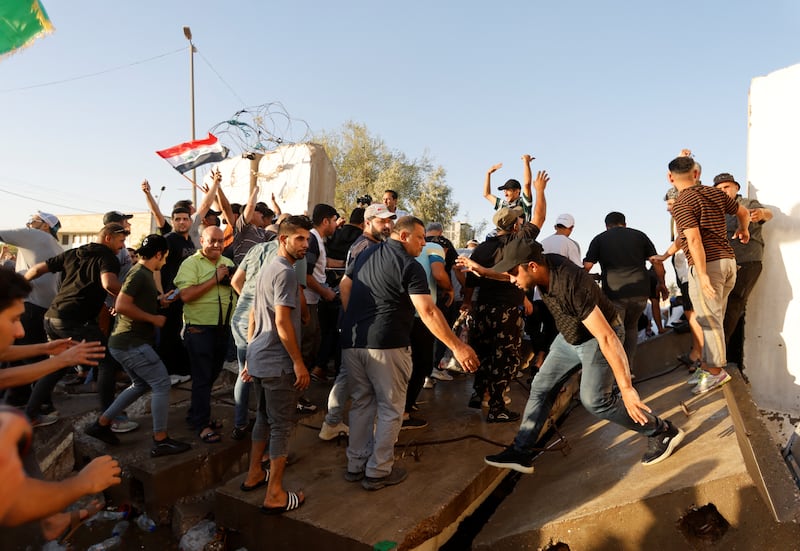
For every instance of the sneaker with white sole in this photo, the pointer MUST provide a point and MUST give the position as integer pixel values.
(429, 383)
(510, 458)
(661, 446)
(696, 376)
(441, 375)
(329, 432)
(44, 421)
(710, 382)
(121, 424)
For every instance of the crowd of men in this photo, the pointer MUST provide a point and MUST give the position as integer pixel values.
(368, 303)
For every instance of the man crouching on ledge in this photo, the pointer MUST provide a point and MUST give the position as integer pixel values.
(586, 321)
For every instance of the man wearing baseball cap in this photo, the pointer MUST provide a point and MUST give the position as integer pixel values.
(748, 261)
(497, 333)
(35, 243)
(588, 323)
(513, 194)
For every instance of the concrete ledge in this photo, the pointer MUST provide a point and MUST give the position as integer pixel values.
(761, 454)
(601, 497)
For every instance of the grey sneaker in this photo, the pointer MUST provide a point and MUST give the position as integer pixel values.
(397, 475)
(710, 382)
(661, 446)
(353, 477)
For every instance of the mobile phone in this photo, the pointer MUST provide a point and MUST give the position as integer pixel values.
(173, 294)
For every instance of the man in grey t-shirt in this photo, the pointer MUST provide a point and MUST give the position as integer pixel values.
(275, 363)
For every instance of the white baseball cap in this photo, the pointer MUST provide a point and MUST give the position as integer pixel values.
(565, 220)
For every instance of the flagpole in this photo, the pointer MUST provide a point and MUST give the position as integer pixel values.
(187, 32)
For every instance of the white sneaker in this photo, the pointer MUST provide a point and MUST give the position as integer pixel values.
(710, 382)
(178, 379)
(696, 377)
(429, 383)
(329, 432)
(121, 423)
(441, 375)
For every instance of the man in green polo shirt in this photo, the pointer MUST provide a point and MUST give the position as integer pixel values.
(208, 300)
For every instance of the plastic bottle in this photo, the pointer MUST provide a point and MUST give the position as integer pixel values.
(113, 542)
(110, 515)
(145, 523)
(120, 527)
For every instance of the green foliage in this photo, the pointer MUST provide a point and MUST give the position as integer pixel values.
(366, 165)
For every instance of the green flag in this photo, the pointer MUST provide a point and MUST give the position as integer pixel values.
(21, 22)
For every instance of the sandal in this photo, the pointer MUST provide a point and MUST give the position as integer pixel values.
(211, 437)
(215, 424)
(260, 484)
(292, 502)
(75, 520)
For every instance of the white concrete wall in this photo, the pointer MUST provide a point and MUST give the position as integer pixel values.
(300, 176)
(772, 349)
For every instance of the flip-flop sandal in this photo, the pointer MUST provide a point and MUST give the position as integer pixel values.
(211, 437)
(260, 484)
(75, 520)
(292, 502)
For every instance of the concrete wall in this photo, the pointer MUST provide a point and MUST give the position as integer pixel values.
(299, 175)
(772, 349)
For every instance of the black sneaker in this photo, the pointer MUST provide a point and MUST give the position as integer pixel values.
(397, 475)
(413, 423)
(474, 401)
(661, 446)
(168, 446)
(510, 458)
(305, 406)
(239, 433)
(502, 415)
(96, 430)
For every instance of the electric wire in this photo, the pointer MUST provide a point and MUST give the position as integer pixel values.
(89, 75)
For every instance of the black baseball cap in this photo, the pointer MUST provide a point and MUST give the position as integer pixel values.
(510, 184)
(519, 251)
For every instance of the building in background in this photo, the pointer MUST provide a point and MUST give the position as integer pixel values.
(80, 229)
(459, 233)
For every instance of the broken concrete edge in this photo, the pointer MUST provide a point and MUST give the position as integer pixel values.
(761, 453)
(444, 535)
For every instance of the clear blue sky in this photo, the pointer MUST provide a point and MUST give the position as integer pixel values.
(603, 94)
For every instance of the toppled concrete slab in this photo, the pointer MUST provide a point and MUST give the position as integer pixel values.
(602, 497)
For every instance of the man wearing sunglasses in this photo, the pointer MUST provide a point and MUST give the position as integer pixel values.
(88, 274)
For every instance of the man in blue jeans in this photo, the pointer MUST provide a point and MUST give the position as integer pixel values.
(132, 344)
(589, 333)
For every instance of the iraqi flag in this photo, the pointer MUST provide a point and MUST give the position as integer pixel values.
(190, 155)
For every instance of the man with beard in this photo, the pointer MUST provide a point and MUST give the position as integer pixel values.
(275, 363)
(590, 333)
(378, 227)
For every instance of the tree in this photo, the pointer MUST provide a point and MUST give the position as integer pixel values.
(366, 165)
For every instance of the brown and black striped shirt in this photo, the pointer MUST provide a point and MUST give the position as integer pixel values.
(705, 208)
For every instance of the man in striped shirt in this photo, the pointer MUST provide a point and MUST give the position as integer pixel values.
(699, 212)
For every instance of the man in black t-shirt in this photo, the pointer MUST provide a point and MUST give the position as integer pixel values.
(88, 274)
(380, 292)
(590, 332)
(181, 246)
(622, 253)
